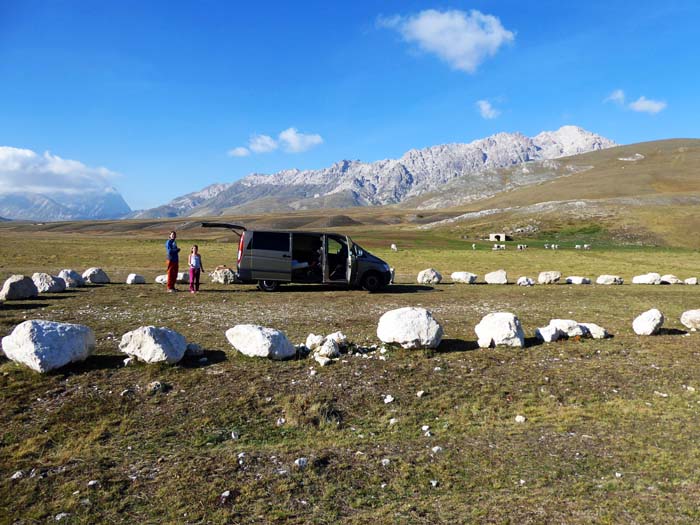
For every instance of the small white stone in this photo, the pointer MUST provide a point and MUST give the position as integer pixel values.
(17, 475)
(385, 462)
(235, 435)
(428, 434)
(93, 483)
(388, 399)
(425, 427)
(61, 516)
(301, 462)
(281, 421)
(618, 474)
(436, 449)
(520, 419)
(420, 393)
(434, 482)
(393, 421)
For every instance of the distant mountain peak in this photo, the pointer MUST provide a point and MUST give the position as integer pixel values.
(349, 183)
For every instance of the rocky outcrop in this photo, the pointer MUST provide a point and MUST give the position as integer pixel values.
(500, 329)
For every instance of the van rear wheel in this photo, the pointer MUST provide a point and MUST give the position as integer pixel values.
(268, 286)
(371, 282)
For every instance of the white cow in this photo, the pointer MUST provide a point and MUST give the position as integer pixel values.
(394, 248)
(586, 246)
(577, 247)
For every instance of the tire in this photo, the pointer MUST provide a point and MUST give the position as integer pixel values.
(268, 286)
(371, 281)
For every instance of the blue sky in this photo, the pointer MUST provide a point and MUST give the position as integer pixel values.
(164, 95)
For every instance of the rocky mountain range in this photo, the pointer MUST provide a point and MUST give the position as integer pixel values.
(353, 183)
(64, 206)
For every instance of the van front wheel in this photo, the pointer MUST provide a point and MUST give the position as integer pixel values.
(268, 286)
(371, 282)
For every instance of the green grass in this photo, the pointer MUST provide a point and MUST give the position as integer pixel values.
(601, 444)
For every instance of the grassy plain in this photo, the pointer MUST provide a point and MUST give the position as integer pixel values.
(611, 426)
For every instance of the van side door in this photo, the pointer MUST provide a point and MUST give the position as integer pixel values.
(335, 260)
(271, 256)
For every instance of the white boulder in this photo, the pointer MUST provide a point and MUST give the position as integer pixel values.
(500, 328)
(463, 277)
(429, 276)
(73, 279)
(549, 333)
(550, 277)
(410, 327)
(95, 276)
(183, 278)
(223, 276)
(569, 327)
(162, 279)
(259, 341)
(647, 278)
(314, 341)
(525, 281)
(595, 331)
(329, 349)
(497, 277)
(134, 278)
(46, 283)
(154, 345)
(670, 279)
(47, 345)
(691, 319)
(609, 279)
(575, 279)
(339, 337)
(17, 288)
(691, 280)
(648, 323)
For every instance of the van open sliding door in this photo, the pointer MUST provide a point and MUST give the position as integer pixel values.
(335, 264)
(271, 254)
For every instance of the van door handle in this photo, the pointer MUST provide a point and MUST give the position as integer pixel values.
(287, 256)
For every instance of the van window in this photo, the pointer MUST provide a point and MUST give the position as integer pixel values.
(274, 241)
(335, 246)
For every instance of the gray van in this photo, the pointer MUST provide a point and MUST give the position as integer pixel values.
(270, 258)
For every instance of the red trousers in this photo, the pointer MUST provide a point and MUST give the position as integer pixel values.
(172, 274)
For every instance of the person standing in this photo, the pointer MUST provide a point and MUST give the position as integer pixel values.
(173, 260)
(196, 268)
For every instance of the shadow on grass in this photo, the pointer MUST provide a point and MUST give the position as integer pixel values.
(671, 331)
(456, 345)
(94, 362)
(212, 357)
(22, 306)
(533, 341)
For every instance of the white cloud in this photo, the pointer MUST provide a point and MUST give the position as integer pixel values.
(295, 142)
(23, 170)
(239, 152)
(262, 144)
(486, 110)
(645, 105)
(617, 96)
(463, 40)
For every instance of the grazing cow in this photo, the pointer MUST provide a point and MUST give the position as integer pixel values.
(577, 247)
(546, 246)
(586, 246)
(394, 248)
(473, 246)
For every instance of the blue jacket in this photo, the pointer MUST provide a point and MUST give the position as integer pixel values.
(172, 250)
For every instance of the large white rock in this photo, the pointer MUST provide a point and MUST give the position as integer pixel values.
(670, 279)
(73, 279)
(497, 277)
(258, 341)
(161, 279)
(609, 279)
(500, 328)
(314, 341)
(46, 283)
(691, 319)
(339, 337)
(95, 276)
(576, 279)
(691, 280)
(549, 333)
(647, 278)
(550, 277)
(18, 287)
(223, 276)
(154, 345)
(183, 278)
(595, 331)
(648, 323)
(134, 278)
(569, 327)
(525, 281)
(463, 277)
(329, 349)
(47, 345)
(410, 327)
(429, 276)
